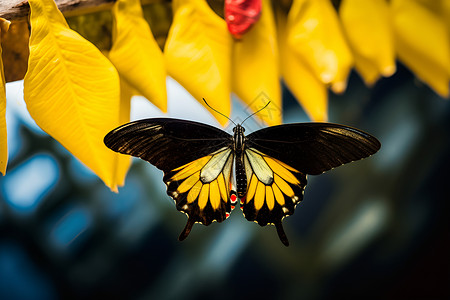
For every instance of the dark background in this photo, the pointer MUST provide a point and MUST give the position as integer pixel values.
(377, 228)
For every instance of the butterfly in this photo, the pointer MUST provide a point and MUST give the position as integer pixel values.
(271, 164)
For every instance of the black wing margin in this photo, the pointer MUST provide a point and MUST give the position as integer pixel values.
(167, 143)
(313, 148)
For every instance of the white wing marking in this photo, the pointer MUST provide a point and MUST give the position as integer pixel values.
(215, 165)
(260, 167)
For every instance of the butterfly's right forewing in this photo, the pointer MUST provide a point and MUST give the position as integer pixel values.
(167, 143)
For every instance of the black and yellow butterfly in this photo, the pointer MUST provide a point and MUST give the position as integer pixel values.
(271, 164)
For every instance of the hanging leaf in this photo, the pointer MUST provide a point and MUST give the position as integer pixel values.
(316, 37)
(124, 161)
(198, 52)
(135, 53)
(422, 43)
(445, 9)
(369, 32)
(4, 25)
(71, 89)
(255, 75)
(309, 91)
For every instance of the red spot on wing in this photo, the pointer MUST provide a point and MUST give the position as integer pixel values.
(233, 197)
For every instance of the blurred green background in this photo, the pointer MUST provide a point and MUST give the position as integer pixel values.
(376, 228)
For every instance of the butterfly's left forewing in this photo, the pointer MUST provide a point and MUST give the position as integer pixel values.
(274, 190)
(197, 161)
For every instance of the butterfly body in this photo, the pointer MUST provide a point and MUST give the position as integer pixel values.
(239, 143)
(270, 164)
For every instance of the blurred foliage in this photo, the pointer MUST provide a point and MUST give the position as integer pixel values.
(159, 17)
(377, 227)
(96, 27)
(15, 50)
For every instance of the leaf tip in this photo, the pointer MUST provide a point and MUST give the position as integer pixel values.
(114, 189)
(388, 70)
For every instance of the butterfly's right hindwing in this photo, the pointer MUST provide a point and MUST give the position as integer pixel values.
(202, 188)
(197, 161)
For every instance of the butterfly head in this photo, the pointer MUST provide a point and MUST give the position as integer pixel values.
(238, 137)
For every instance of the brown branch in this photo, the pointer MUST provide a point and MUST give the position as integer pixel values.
(19, 9)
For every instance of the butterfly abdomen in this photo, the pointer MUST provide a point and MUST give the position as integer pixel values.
(241, 177)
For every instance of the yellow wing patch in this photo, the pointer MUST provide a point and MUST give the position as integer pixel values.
(270, 200)
(272, 182)
(202, 181)
(252, 187)
(283, 170)
(260, 195)
(193, 193)
(203, 197)
(284, 186)
(187, 184)
(278, 194)
(190, 168)
(214, 194)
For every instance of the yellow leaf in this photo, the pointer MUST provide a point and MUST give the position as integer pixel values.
(368, 29)
(446, 16)
(310, 92)
(135, 53)
(4, 24)
(124, 161)
(255, 75)
(316, 37)
(71, 89)
(422, 43)
(198, 54)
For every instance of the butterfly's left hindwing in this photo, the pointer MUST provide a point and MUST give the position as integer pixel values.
(278, 158)
(196, 159)
(274, 190)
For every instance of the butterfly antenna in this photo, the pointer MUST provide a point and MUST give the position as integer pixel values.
(255, 112)
(218, 111)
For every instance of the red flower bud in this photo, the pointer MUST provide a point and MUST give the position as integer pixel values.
(240, 15)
